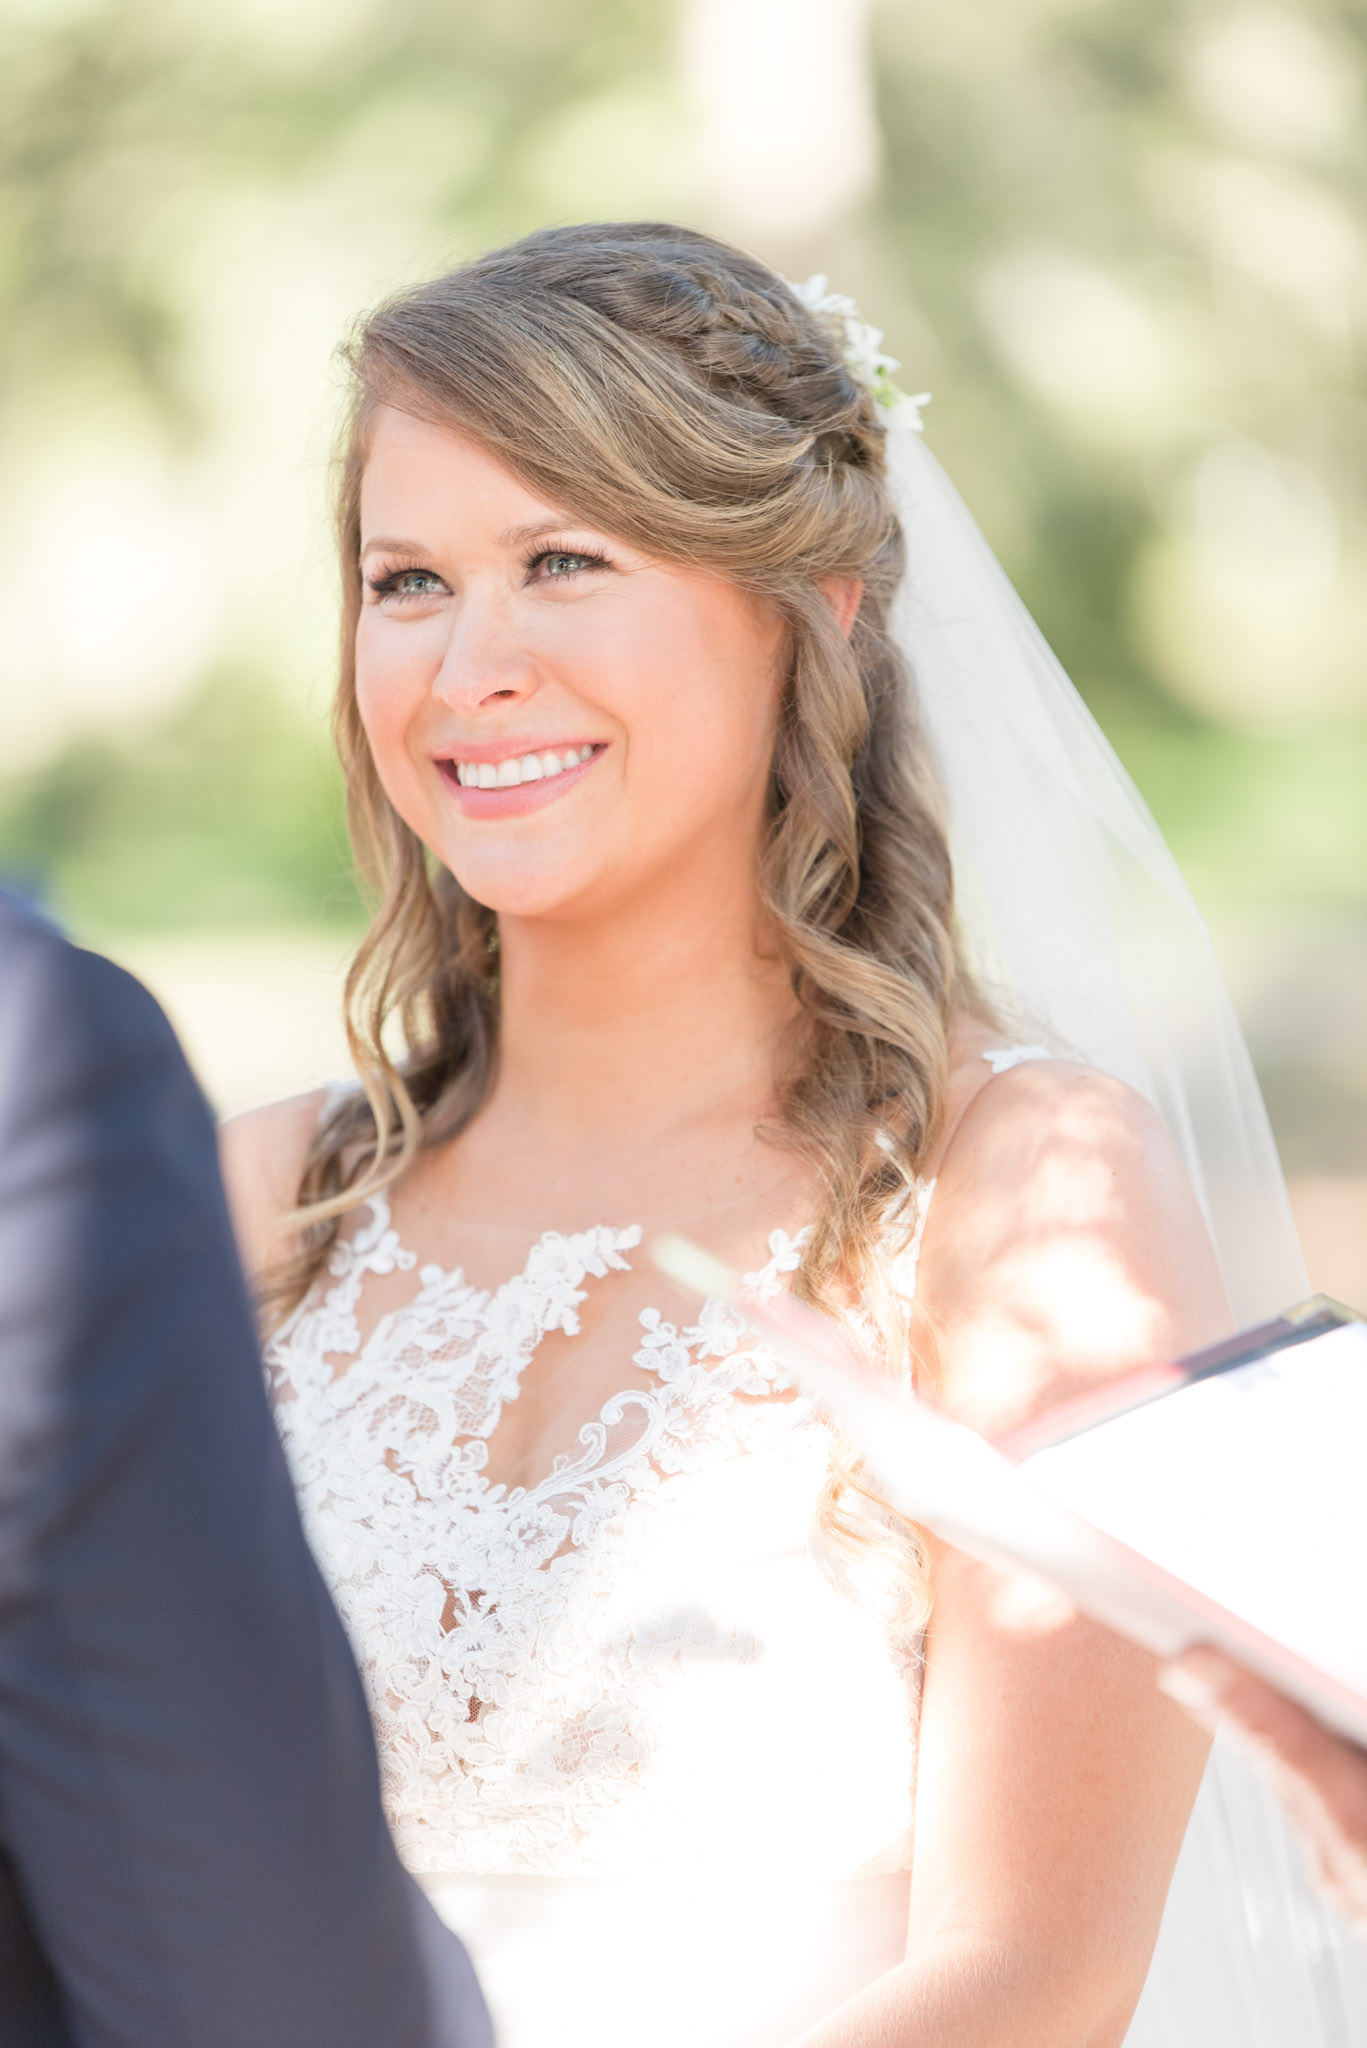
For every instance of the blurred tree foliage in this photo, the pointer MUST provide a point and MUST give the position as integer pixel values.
(227, 813)
(113, 111)
(1120, 239)
(1146, 219)
(128, 132)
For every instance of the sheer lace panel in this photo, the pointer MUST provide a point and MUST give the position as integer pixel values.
(634, 1656)
(519, 1641)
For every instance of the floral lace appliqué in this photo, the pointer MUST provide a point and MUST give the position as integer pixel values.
(510, 1638)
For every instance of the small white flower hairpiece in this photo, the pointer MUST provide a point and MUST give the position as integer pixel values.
(861, 349)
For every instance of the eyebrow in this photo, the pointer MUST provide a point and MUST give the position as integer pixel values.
(388, 544)
(512, 537)
(518, 536)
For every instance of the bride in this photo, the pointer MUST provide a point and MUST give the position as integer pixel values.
(667, 936)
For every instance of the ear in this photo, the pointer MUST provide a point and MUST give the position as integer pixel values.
(844, 594)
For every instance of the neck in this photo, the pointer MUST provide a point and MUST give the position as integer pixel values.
(667, 1011)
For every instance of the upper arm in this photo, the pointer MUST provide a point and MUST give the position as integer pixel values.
(1064, 1244)
(262, 1153)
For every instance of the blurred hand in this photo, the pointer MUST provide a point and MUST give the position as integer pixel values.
(1320, 1778)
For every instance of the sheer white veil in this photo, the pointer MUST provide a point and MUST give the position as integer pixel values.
(1072, 909)
(1075, 916)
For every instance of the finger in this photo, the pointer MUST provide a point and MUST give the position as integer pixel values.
(1322, 1777)
(1302, 1744)
(1197, 1681)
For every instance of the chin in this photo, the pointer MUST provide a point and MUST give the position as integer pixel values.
(512, 892)
(544, 874)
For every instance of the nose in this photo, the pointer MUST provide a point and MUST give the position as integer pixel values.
(486, 661)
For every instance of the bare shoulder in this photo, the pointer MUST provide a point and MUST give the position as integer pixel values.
(1057, 1130)
(1064, 1244)
(262, 1153)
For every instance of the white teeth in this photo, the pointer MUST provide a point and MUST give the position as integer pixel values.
(509, 773)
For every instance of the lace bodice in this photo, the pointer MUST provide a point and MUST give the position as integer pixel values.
(635, 1660)
(636, 1669)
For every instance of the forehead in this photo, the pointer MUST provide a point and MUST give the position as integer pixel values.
(419, 475)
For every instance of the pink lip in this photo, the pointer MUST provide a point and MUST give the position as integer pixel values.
(512, 803)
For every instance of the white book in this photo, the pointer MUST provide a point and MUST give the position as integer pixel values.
(1220, 1499)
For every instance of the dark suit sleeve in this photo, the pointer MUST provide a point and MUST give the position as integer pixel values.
(188, 1787)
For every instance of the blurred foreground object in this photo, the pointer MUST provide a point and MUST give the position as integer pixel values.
(1145, 1498)
(1320, 1778)
(194, 1854)
(1240, 1864)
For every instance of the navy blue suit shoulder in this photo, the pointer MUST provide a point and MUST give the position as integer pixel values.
(193, 1849)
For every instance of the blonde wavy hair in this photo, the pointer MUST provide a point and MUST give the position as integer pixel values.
(673, 391)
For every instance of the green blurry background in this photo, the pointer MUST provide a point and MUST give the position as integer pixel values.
(1122, 241)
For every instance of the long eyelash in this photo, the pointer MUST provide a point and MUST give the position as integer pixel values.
(543, 554)
(387, 585)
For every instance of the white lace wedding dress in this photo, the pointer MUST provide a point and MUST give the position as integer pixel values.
(646, 1759)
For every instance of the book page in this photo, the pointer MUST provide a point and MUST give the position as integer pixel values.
(1250, 1485)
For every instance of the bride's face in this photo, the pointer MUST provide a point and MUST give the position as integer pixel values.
(559, 717)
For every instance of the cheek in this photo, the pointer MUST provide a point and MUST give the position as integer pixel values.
(391, 685)
(389, 700)
(710, 726)
(379, 710)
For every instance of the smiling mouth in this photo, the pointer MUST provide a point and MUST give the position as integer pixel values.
(516, 769)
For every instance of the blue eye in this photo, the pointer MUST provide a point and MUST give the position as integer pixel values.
(407, 583)
(557, 564)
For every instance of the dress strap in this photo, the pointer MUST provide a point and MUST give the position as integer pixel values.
(1002, 1058)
